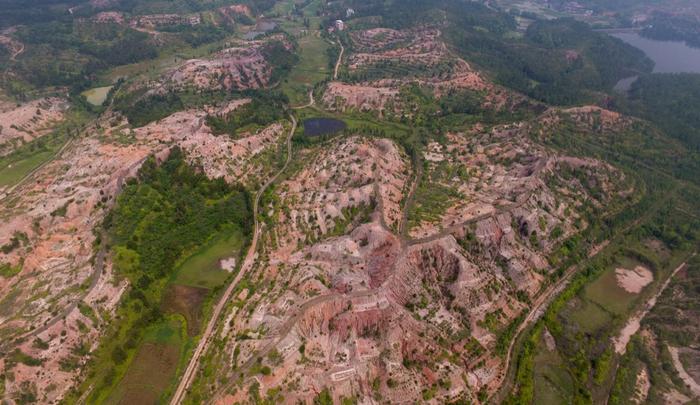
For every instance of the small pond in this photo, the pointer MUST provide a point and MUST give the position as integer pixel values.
(322, 126)
(260, 29)
(98, 95)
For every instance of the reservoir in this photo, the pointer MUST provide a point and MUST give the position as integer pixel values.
(322, 126)
(668, 56)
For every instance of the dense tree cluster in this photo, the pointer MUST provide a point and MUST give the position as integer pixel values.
(265, 108)
(166, 212)
(666, 27)
(670, 101)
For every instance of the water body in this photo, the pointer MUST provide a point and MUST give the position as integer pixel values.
(322, 126)
(98, 95)
(668, 56)
(260, 29)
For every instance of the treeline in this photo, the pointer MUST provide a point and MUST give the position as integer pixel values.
(168, 210)
(265, 108)
(666, 27)
(112, 44)
(141, 109)
(636, 145)
(150, 108)
(200, 34)
(559, 62)
(16, 12)
(70, 54)
(670, 101)
(280, 58)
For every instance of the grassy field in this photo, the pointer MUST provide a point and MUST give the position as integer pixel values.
(598, 311)
(606, 292)
(154, 365)
(311, 69)
(552, 382)
(603, 300)
(156, 362)
(588, 315)
(282, 8)
(97, 96)
(15, 166)
(202, 269)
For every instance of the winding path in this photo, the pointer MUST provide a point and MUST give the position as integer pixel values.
(311, 102)
(192, 366)
(18, 52)
(337, 63)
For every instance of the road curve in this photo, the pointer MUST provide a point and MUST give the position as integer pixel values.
(309, 104)
(191, 370)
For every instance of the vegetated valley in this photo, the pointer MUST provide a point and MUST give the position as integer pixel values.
(398, 201)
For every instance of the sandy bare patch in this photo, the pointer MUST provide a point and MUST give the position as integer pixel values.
(228, 264)
(549, 340)
(634, 280)
(635, 321)
(641, 387)
(242, 66)
(674, 397)
(341, 97)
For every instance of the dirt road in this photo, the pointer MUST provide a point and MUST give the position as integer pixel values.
(309, 104)
(192, 366)
(340, 59)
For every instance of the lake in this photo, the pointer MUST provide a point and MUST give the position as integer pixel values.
(322, 126)
(668, 56)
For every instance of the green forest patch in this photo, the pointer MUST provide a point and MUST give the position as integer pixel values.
(160, 218)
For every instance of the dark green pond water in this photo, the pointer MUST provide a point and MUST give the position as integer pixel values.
(323, 126)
